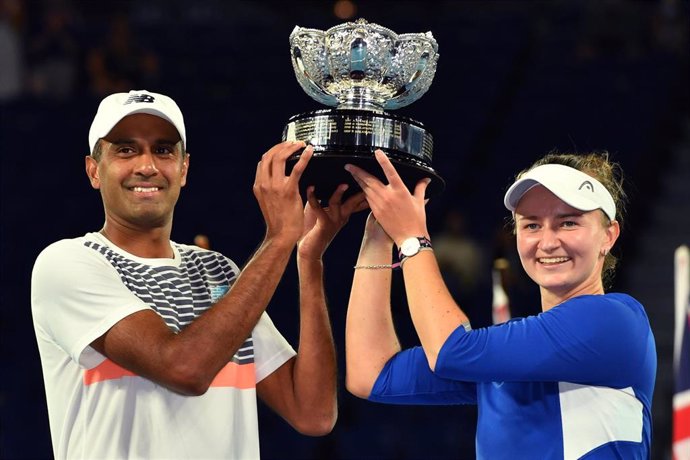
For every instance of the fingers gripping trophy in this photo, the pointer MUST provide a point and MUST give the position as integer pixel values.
(361, 70)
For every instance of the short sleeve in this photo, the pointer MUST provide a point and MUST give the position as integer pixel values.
(76, 296)
(271, 350)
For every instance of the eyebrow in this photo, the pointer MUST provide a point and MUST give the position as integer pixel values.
(558, 216)
(132, 141)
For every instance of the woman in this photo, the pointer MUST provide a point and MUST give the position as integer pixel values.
(575, 381)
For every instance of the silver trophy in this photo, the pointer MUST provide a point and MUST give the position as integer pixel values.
(362, 69)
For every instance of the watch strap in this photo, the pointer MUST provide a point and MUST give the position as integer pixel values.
(424, 243)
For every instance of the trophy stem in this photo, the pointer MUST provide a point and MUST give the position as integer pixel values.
(360, 98)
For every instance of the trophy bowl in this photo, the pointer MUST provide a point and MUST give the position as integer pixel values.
(362, 69)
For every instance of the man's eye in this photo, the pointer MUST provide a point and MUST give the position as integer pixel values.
(164, 150)
(569, 223)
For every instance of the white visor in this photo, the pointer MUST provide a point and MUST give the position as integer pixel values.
(575, 188)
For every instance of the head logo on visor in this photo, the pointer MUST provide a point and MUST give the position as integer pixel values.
(588, 185)
(577, 189)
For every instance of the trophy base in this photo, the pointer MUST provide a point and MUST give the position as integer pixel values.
(326, 171)
(342, 136)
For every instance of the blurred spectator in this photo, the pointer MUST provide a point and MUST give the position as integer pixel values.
(11, 60)
(53, 55)
(460, 257)
(202, 241)
(670, 27)
(121, 62)
(614, 28)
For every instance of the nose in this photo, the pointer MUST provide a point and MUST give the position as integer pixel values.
(146, 164)
(549, 239)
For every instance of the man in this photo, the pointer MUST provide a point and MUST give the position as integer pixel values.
(154, 349)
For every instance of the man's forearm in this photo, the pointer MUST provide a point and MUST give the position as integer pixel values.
(188, 362)
(213, 338)
(315, 371)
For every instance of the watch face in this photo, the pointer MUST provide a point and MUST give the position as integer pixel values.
(410, 247)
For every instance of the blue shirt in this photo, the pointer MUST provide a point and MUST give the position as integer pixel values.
(573, 382)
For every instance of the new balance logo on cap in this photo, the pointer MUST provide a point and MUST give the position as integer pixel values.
(140, 98)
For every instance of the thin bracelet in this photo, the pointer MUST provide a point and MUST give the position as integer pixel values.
(377, 266)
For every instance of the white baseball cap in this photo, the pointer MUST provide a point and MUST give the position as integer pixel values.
(117, 106)
(577, 189)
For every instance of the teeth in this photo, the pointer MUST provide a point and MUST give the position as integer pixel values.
(553, 260)
(145, 189)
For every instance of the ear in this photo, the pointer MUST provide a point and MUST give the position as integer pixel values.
(185, 168)
(92, 171)
(612, 232)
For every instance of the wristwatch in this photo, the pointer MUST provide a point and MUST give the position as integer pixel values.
(411, 246)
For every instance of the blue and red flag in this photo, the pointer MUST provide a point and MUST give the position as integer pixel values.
(681, 357)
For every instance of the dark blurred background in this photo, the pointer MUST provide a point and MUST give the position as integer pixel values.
(515, 80)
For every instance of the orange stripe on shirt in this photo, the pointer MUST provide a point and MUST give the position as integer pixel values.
(236, 375)
(107, 370)
(232, 375)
